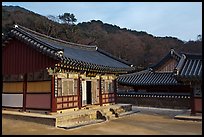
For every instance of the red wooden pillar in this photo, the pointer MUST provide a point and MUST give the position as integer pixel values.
(100, 92)
(79, 93)
(192, 102)
(24, 91)
(53, 99)
(115, 91)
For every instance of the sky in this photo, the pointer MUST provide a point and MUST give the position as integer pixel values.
(182, 20)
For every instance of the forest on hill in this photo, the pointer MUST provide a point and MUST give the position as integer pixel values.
(137, 47)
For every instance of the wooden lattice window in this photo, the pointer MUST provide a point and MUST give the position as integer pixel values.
(69, 87)
(95, 92)
(109, 86)
(75, 87)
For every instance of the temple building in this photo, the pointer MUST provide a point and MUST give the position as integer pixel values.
(173, 74)
(189, 72)
(41, 73)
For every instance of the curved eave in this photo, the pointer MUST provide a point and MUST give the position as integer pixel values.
(53, 53)
(148, 79)
(149, 84)
(80, 65)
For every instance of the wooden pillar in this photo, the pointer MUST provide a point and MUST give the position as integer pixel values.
(53, 99)
(100, 92)
(192, 102)
(115, 90)
(79, 93)
(24, 91)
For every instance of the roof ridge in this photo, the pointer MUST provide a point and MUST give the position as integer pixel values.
(138, 72)
(36, 39)
(193, 55)
(55, 39)
(170, 54)
(172, 51)
(180, 65)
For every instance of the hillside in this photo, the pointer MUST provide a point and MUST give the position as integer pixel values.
(139, 48)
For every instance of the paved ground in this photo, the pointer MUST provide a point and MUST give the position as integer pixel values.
(160, 111)
(149, 121)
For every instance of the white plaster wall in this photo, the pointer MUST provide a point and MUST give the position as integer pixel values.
(12, 100)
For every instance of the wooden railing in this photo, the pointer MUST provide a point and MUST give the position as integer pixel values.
(108, 98)
(65, 102)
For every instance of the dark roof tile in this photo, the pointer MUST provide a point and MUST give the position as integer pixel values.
(189, 67)
(147, 78)
(86, 56)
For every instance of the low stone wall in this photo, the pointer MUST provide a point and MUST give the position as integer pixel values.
(177, 101)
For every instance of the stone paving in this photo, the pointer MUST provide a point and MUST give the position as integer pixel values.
(184, 114)
(147, 121)
(71, 118)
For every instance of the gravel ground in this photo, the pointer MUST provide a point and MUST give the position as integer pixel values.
(148, 121)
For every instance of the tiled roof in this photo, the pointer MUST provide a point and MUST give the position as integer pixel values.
(189, 67)
(77, 55)
(171, 54)
(147, 78)
(150, 76)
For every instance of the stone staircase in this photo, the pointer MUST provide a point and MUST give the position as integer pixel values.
(75, 118)
(105, 114)
(91, 115)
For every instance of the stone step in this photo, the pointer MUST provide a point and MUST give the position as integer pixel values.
(111, 117)
(127, 113)
(80, 124)
(105, 113)
(119, 110)
(105, 110)
(75, 118)
(108, 112)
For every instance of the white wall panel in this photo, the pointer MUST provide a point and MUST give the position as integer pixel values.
(84, 96)
(12, 100)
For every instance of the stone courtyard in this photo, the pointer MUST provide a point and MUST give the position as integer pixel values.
(146, 121)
